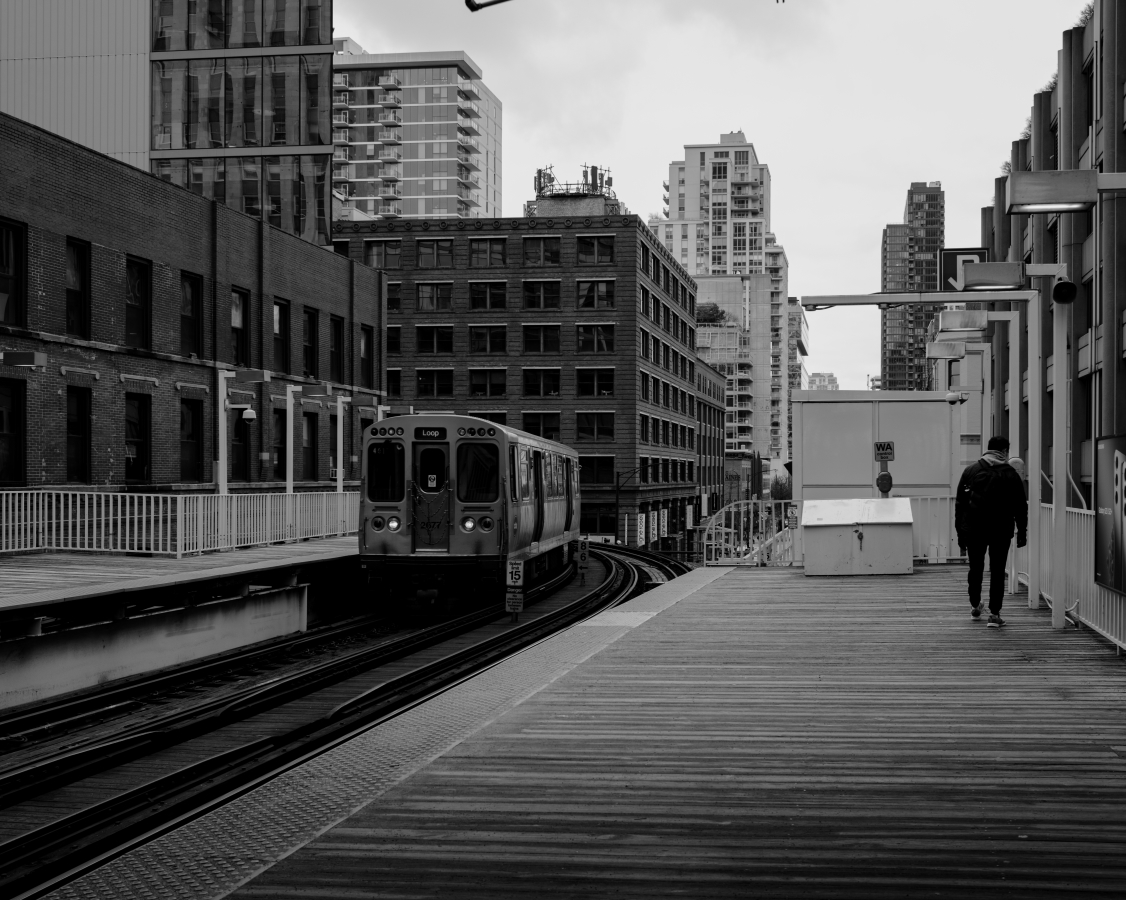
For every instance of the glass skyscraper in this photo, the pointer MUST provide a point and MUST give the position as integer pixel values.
(415, 134)
(241, 106)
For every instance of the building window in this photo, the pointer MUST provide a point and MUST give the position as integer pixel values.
(488, 339)
(383, 254)
(191, 440)
(394, 339)
(78, 434)
(645, 302)
(434, 339)
(488, 382)
(278, 428)
(77, 286)
(487, 253)
(138, 303)
(541, 382)
(595, 250)
(395, 296)
(542, 294)
(644, 380)
(191, 314)
(138, 438)
(595, 294)
(240, 449)
(13, 272)
(487, 295)
(309, 344)
(542, 251)
(655, 465)
(367, 339)
(594, 426)
(13, 431)
(434, 297)
(240, 313)
(281, 336)
(436, 383)
(665, 434)
(541, 338)
(644, 429)
(435, 254)
(394, 383)
(595, 338)
(544, 425)
(342, 248)
(643, 470)
(309, 468)
(596, 470)
(665, 394)
(336, 349)
(595, 382)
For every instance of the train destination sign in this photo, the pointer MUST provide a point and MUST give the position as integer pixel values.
(885, 451)
(430, 434)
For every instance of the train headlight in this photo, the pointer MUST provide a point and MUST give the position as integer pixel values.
(461, 432)
(485, 523)
(468, 524)
(377, 523)
(492, 432)
(394, 523)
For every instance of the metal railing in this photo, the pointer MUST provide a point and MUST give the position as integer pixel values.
(168, 524)
(752, 533)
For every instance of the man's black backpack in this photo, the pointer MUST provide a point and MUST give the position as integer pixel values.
(987, 489)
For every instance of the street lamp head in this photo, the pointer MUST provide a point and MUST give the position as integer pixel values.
(249, 415)
(1064, 190)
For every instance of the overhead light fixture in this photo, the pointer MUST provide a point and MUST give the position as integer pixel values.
(946, 350)
(963, 320)
(993, 276)
(1067, 190)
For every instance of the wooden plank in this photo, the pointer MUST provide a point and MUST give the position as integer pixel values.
(779, 735)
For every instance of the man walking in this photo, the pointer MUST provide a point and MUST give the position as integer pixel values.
(990, 501)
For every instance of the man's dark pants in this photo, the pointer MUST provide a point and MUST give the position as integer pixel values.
(998, 549)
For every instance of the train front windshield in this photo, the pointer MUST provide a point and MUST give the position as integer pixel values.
(385, 472)
(478, 473)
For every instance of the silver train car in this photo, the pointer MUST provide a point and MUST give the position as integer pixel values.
(450, 502)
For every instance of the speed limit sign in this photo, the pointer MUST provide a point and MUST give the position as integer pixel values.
(514, 593)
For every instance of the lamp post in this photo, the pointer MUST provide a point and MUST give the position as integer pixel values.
(618, 500)
(241, 376)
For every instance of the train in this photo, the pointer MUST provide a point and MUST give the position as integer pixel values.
(452, 504)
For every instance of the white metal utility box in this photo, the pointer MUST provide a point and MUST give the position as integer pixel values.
(857, 536)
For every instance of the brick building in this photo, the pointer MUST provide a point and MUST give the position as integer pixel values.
(576, 325)
(139, 292)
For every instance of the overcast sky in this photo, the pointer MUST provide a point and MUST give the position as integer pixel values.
(847, 101)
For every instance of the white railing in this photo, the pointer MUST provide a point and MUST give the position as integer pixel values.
(752, 533)
(1088, 603)
(167, 524)
(933, 536)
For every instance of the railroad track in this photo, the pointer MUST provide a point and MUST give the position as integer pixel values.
(69, 812)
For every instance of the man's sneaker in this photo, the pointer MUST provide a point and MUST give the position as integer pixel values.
(975, 610)
(995, 621)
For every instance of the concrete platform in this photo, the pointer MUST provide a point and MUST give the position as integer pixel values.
(733, 733)
(37, 580)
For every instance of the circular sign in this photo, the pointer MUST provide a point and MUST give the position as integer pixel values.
(884, 482)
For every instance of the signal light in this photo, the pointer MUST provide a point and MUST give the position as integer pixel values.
(467, 524)
(394, 523)
(377, 523)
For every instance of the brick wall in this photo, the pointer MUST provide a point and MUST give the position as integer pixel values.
(55, 190)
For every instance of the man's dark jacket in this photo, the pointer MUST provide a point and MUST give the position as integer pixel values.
(996, 520)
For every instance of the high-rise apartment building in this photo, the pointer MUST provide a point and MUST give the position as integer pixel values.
(823, 381)
(719, 222)
(909, 261)
(416, 135)
(231, 99)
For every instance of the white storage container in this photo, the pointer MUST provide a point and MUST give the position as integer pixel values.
(857, 536)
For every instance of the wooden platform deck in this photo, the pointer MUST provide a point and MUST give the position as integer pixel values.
(41, 579)
(770, 735)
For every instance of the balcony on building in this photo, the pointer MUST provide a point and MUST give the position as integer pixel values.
(467, 196)
(468, 108)
(340, 135)
(389, 191)
(389, 101)
(340, 154)
(390, 210)
(340, 99)
(340, 172)
(469, 180)
(389, 118)
(468, 144)
(468, 88)
(390, 137)
(389, 155)
(341, 118)
(390, 175)
(466, 159)
(340, 80)
(390, 83)
(465, 125)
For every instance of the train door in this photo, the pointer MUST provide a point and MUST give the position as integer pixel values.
(430, 497)
(537, 492)
(570, 493)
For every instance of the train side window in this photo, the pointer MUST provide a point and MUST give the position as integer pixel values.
(478, 473)
(513, 478)
(385, 472)
(525, 474)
